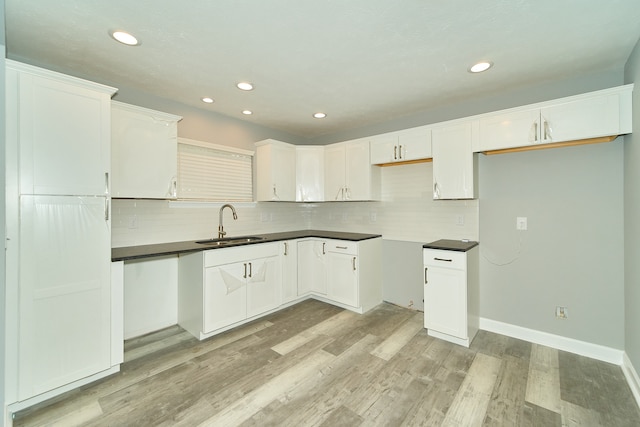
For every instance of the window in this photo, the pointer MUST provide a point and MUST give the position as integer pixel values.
(213, 172)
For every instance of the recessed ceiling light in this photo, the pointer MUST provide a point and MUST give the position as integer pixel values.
(208, 100)
(244, 86)
(247, 112)
(480, 67)
(125, 38)
(319, 115)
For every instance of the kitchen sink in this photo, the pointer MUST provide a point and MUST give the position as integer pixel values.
(227, 241)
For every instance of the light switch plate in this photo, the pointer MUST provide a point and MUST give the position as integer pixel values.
(521, 223)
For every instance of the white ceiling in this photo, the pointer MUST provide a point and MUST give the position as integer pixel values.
(360, 61)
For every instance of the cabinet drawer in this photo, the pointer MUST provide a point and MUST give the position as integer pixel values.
(239, 254)
(445, 259)
(342, 246)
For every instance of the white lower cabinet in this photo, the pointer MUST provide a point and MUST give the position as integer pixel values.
(346, 273)
(224, 287)
(312, 270)
(342, 272)
(451, 294)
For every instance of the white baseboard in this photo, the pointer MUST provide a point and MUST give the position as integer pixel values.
(632, 377)
(594, 351)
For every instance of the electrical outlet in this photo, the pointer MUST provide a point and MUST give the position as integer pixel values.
(133, 222)
(562, 312)
(459, 219)
(521, 223)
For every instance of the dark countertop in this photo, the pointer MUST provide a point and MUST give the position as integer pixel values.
(451, 245)
(173, 248)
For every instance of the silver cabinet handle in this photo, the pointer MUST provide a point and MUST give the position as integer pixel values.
(106, 209)
(341, 247)
(354, 263)
(395, 152)
(400, 152)
(173, 187)
(425, 275)
(546, 131)
(443, 259)
(535, 132)
(436, 191)
(286, 247)
(106, 183)
(323, 244)
(245, 270)
(250, 270)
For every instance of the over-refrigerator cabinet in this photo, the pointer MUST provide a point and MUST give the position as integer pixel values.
(59, 296)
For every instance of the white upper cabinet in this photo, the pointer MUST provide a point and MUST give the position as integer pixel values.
(309, 173)
(63, 131)
(453, 161)
(349, 175)
(276, 171)
(402, 146)
(144, 152)
(594, 115)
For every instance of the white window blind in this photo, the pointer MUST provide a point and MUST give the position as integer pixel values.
(213, 172)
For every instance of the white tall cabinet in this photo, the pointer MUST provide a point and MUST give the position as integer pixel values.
(59, 294)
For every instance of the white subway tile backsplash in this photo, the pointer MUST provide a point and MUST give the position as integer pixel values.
(407, 212)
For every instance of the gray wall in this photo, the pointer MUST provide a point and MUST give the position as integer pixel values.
(572, 253)
(631, 216)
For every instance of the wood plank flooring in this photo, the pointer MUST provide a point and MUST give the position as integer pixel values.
(314, 364)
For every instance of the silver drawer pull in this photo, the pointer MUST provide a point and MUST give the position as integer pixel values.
(425, 275)
(443, 259)
(341, 247)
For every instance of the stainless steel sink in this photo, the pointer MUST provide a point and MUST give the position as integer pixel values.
(227, 241)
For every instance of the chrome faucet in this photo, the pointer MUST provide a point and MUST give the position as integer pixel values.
(221, 232)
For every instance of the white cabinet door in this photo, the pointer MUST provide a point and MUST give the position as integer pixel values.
(144, 152)
(581, 119)
(310, 174)
(342, 278)
(334, 172)
(384, 148)
(508, 130)
(276, 171)
(357, 171)
(445, 301)
(65, 290)
(402, 146)
(289, 270)
(414, 144)
(312, 270)
(64, 134)
(453, 165)
(263, 285)
(225, 295)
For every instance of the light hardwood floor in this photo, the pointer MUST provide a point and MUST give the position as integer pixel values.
(314, 364)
